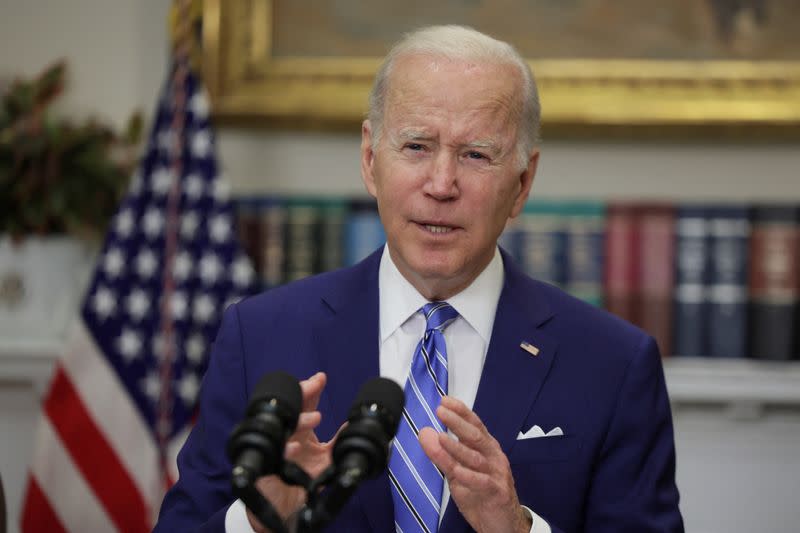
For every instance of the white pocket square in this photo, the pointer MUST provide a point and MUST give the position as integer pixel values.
(536, 432)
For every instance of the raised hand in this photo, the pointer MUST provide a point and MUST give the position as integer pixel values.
(477, 470)
(303, 448)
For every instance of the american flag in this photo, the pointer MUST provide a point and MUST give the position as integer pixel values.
(123, 394)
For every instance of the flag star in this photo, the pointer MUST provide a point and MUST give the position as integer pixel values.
(210, 268)
(220, 228)
(201, 144)
(138, 304)
(162, 180)
(178, 305)
(151, 386)
(188, 387)
(123, 223)
(153, 222)
(199, 105)
(203, 308)
(182, 268)
(104, 303)
(193, 186)
(190, 221)
(129, 344)
(113, 262)
(221, 190)
(146, 263)
(196, 348)
(242, 272)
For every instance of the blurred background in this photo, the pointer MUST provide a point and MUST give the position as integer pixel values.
(694, 234)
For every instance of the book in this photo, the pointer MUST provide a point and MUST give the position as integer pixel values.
(585, 249)
(692, 259)
(656, 247)
(729, 252)
(363, 231)
(330, 233)
(621, 272)
(774, 273)
(542, 241)
(273, 239)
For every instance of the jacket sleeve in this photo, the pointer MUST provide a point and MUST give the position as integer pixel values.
(202, 494)
(633, 488)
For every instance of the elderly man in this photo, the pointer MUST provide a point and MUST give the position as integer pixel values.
(526, 409)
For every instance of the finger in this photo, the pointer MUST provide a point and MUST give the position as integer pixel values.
(467, 432)
(429, 440)
(456, 473)
(336, 435)
(459, 407)
(308, 421)
(467, 457)
(312, 390)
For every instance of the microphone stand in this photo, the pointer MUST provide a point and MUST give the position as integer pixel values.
(244, 488)
(323, 505)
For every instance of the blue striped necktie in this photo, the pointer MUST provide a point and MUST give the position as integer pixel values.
(416, 483)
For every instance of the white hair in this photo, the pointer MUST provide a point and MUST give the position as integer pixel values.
(461, 43)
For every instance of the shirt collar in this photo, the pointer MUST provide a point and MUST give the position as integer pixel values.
(477, 304)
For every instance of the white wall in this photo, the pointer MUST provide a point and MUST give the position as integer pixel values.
(116, 50)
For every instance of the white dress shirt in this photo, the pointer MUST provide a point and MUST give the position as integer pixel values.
(402, 327)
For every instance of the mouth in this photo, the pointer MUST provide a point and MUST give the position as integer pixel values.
(436, 229)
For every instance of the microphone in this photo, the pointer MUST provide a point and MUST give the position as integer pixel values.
(255, 447)
(361, 451)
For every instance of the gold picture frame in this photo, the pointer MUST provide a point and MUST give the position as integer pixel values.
(248, 84)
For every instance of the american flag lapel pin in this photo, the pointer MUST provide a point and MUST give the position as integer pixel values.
(530, 348)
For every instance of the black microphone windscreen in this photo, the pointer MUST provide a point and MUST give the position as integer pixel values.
(384, 392)
(281, 386)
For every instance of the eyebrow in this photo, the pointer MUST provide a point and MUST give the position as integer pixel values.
(414, 134)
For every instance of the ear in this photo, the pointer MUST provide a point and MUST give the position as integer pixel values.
(525, 182)
(367, 158)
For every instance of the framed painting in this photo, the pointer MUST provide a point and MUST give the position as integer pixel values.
(602, 66)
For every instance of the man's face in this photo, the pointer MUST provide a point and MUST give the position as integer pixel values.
(445, 172)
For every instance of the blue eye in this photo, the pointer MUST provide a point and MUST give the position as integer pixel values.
(414, 146)
(475, 155)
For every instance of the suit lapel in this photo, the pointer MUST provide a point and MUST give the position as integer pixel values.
(349, 346)
(512, 377)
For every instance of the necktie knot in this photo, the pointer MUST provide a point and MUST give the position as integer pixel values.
(438, 315)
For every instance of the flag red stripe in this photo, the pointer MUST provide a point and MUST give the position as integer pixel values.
(94, 458)
(37, 515)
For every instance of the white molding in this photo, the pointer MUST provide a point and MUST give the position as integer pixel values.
(29, 361)
(732, 381)
(690, 380)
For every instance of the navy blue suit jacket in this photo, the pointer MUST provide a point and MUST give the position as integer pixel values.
(596, 377)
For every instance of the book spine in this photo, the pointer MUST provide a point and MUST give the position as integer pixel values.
(656, 275)
(585, 252)
(542, 242)
(332, 216)
(691, 282)
(727, 309)
(774, 282)
(363, 232)
(301, 239)
(621, 262)
(273, 229)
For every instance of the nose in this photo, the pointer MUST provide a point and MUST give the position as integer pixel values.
(441, 182)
